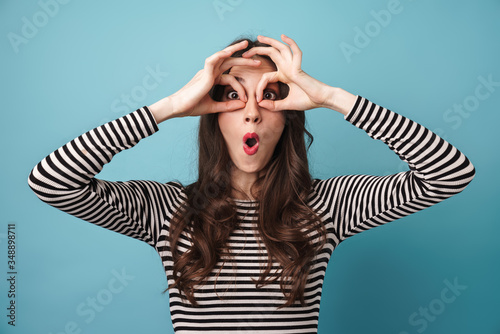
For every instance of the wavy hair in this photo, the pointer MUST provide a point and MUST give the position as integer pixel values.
(289, 230)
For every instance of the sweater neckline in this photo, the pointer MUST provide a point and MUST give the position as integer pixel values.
(245, 201)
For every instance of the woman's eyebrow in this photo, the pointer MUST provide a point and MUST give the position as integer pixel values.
(239, 79)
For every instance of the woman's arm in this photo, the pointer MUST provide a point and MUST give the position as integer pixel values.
(437, 171)
(341, 101)
(66, 179)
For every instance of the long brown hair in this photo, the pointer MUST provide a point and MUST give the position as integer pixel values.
(289, 230)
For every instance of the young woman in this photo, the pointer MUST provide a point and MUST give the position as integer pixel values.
(245, 248)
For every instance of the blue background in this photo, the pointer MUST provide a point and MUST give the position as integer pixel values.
(68, 74)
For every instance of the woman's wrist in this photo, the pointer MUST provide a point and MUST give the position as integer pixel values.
(162, 110)
(340, 100)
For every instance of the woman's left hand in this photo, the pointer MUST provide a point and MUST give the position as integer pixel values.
(305, 91)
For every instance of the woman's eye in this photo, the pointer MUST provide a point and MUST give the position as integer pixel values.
(232, 95)
(269, 95)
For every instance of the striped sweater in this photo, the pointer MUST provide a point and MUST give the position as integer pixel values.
(230, 302)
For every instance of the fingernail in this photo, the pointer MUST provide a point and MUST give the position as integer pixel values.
(256, 60)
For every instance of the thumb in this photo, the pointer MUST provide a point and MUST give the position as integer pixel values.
(228, 106)
(277, 105)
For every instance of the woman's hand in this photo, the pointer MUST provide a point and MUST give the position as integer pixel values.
(193, 98)
(305, 91)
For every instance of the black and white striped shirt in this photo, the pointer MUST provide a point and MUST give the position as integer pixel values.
(346, 204)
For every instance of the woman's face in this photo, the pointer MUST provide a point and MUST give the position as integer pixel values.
(251, 133)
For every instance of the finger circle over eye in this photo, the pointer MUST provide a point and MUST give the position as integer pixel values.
(229, 80)
(267, 78)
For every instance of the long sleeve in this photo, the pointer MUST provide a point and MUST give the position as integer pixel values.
(437, 171)
(66, 180)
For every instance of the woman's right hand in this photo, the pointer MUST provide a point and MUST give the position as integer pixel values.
(193, 99)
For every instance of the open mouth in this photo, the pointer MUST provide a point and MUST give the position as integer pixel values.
(251, 143)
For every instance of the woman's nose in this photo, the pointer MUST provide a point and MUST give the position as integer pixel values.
(252, 112)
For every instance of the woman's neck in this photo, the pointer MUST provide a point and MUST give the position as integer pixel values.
(242, 184)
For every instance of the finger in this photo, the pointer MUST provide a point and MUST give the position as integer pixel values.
(267, 104)
(230, 62)
(225, 53)
(263, 82)
(274, 105)
(263, 51)
(284, 49)
(211, 61)
(235, 47)
(228, 106)
(227, 79)
(297, 53)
